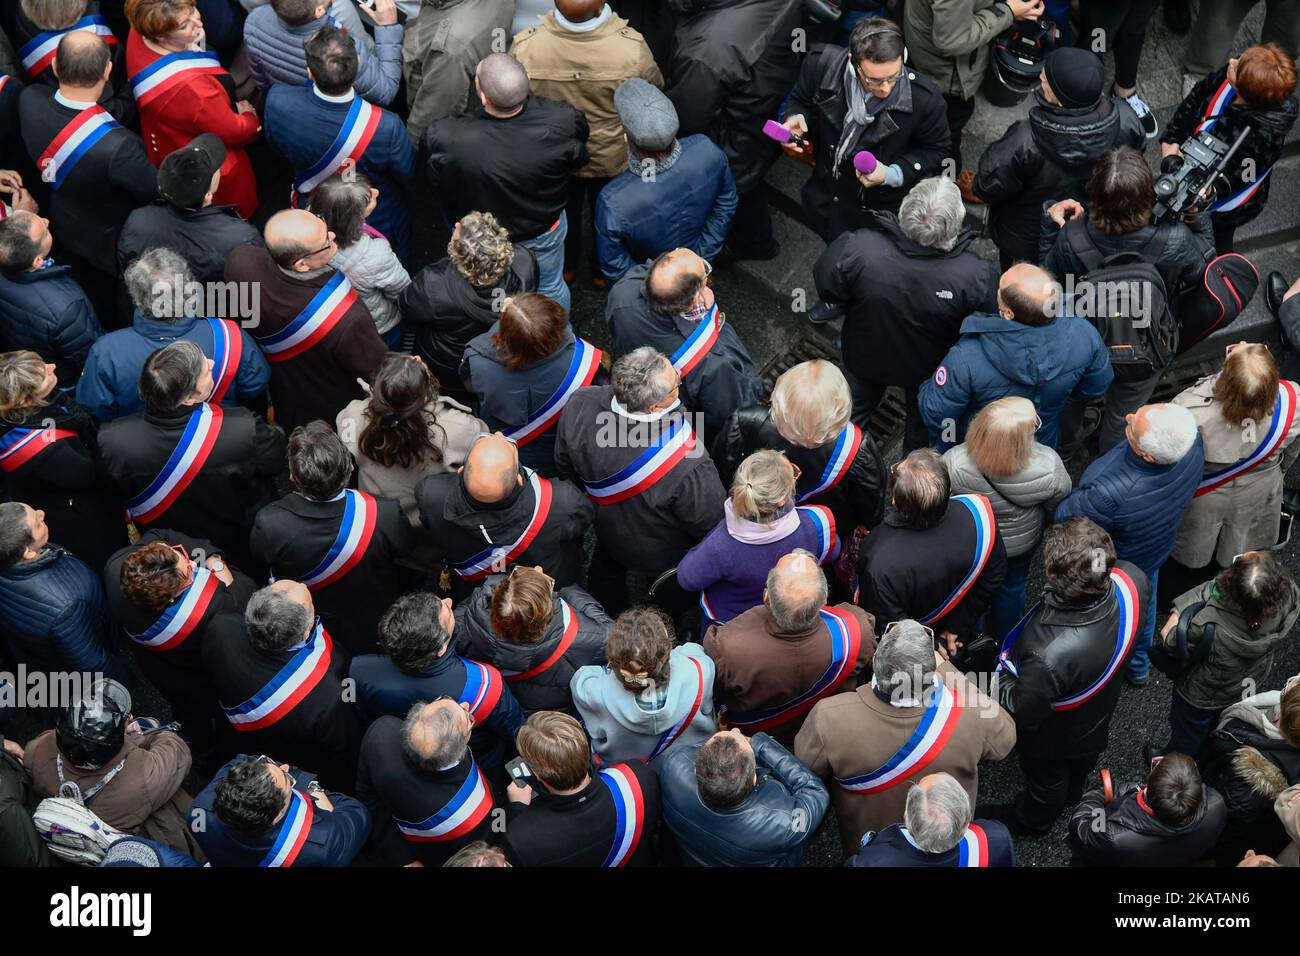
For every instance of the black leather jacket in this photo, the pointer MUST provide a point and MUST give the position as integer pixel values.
(1133, 837)
(767, 828)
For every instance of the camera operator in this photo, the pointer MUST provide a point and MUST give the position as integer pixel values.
(1257, 91)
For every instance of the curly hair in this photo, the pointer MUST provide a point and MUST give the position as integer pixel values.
(639, 647)
(398, 432)
(482, 253)
(150, 577)
(522, 606)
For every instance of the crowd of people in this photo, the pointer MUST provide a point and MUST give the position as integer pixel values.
(409, 573)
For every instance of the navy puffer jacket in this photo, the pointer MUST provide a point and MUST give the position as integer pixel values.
(47, 312)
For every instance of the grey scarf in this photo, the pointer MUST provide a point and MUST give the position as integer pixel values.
(639, 167)
(863, 108)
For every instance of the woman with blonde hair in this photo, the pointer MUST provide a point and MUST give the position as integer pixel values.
(1023, 479)
(50, 460)
(808, 419)
(1248, 420)
(650, 696)
(762, 522)
(536, 636)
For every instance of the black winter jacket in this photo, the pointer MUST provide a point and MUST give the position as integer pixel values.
(1178, 253)
(1133, 836)
(20, 844)
(203, 237)
(47, 312)
(1047, 157)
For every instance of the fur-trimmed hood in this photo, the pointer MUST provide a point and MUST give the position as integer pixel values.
(1262, 775)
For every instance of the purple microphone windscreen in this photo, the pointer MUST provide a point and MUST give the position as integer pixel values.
(774, 130)
(864, 162)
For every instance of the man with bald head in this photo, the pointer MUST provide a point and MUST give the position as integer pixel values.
(278, 676)
(425, 792)
(311, 324)
(770, 657)
(491, 514)
(1026, 349)
(667, 303)
(512, 155)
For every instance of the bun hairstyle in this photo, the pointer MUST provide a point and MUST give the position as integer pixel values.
(639, 647)
(764, 484)
(399, 425)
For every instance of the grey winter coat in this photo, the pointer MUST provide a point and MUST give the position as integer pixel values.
(1244, 514)
(1024, 502)
(378, 276)
(1238, 657)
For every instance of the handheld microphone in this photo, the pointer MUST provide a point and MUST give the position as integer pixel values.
(864, 162)
(774, 130)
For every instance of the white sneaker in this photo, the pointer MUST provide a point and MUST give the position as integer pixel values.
(1150, 127)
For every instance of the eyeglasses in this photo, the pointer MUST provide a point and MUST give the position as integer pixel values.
(889, 629)
(329, 234)
(469, 715)
(876, 84)
(481, 435)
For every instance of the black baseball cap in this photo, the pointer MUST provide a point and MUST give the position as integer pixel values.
(186, 174)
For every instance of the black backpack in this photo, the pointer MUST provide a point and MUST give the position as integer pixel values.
(1124, 297)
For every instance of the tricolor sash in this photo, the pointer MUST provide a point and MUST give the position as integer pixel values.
(465, 811)
(973, 850)
(178, 621)
(314, 322)
(18, 446)
(841, 460)
(292, 836)
(188, 459)
(1126, 596)
(986, 530)
(353, 137)
(286, 689)
(697, 345)
(629, 806)
(38, 53)
(4, 81)
(582, 369)
(569, 621)
(1214, 109)
(6, 210)
(171, 72)
(227, 351)
(76, 139)
(1283, 417)
(496, 556)
(669, 736)
(942, 712)
(482, 689)
(707, 608)
(669, 447)
(350, 544)
(846, 644)
(828, 543)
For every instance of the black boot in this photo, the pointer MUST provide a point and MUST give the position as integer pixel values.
(1274, 289)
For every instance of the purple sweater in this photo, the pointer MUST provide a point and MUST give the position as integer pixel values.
(730, 575)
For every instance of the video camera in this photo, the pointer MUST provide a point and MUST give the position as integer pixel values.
(1195, 181)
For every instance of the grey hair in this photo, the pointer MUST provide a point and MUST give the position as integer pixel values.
(157, 283)
(811, 403)
(640, 379)
(443, 726)
(932, 213)
(762, 484)
(274, 621)
(1170, 433)
(791, 614)
(937, 812)
(904, 661)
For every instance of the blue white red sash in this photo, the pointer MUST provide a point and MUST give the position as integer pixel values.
(6, 210)
(182, 616)
(39, 52)
(973, 850)
(350, 544)
(482, 689)
(1214, 109)
(582, 369)
(18, 446)
(569, 631)
(841, 460)
(466, 810)
(354, 136)
(171, 72)
(986, 532)
(314, 322)
(828, 543)
(185, 463)
(669, 736)
(698, 343)
(67, 149)
(670, 446)
(292, 835)
(707, 608)
(498, 557)
(1126, 596)
(846, 644)
(629, 805)
(227, 352)
(1283, 417)
(4, 81)
(286, 689)
(942, 712)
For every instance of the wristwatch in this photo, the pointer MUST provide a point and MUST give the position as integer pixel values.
(217, 565)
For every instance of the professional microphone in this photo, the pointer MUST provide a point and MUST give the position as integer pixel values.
(774, 130)
(864, 162)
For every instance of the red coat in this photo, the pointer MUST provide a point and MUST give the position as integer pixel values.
(200, 105)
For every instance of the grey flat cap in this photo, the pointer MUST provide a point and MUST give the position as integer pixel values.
(648, 117)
